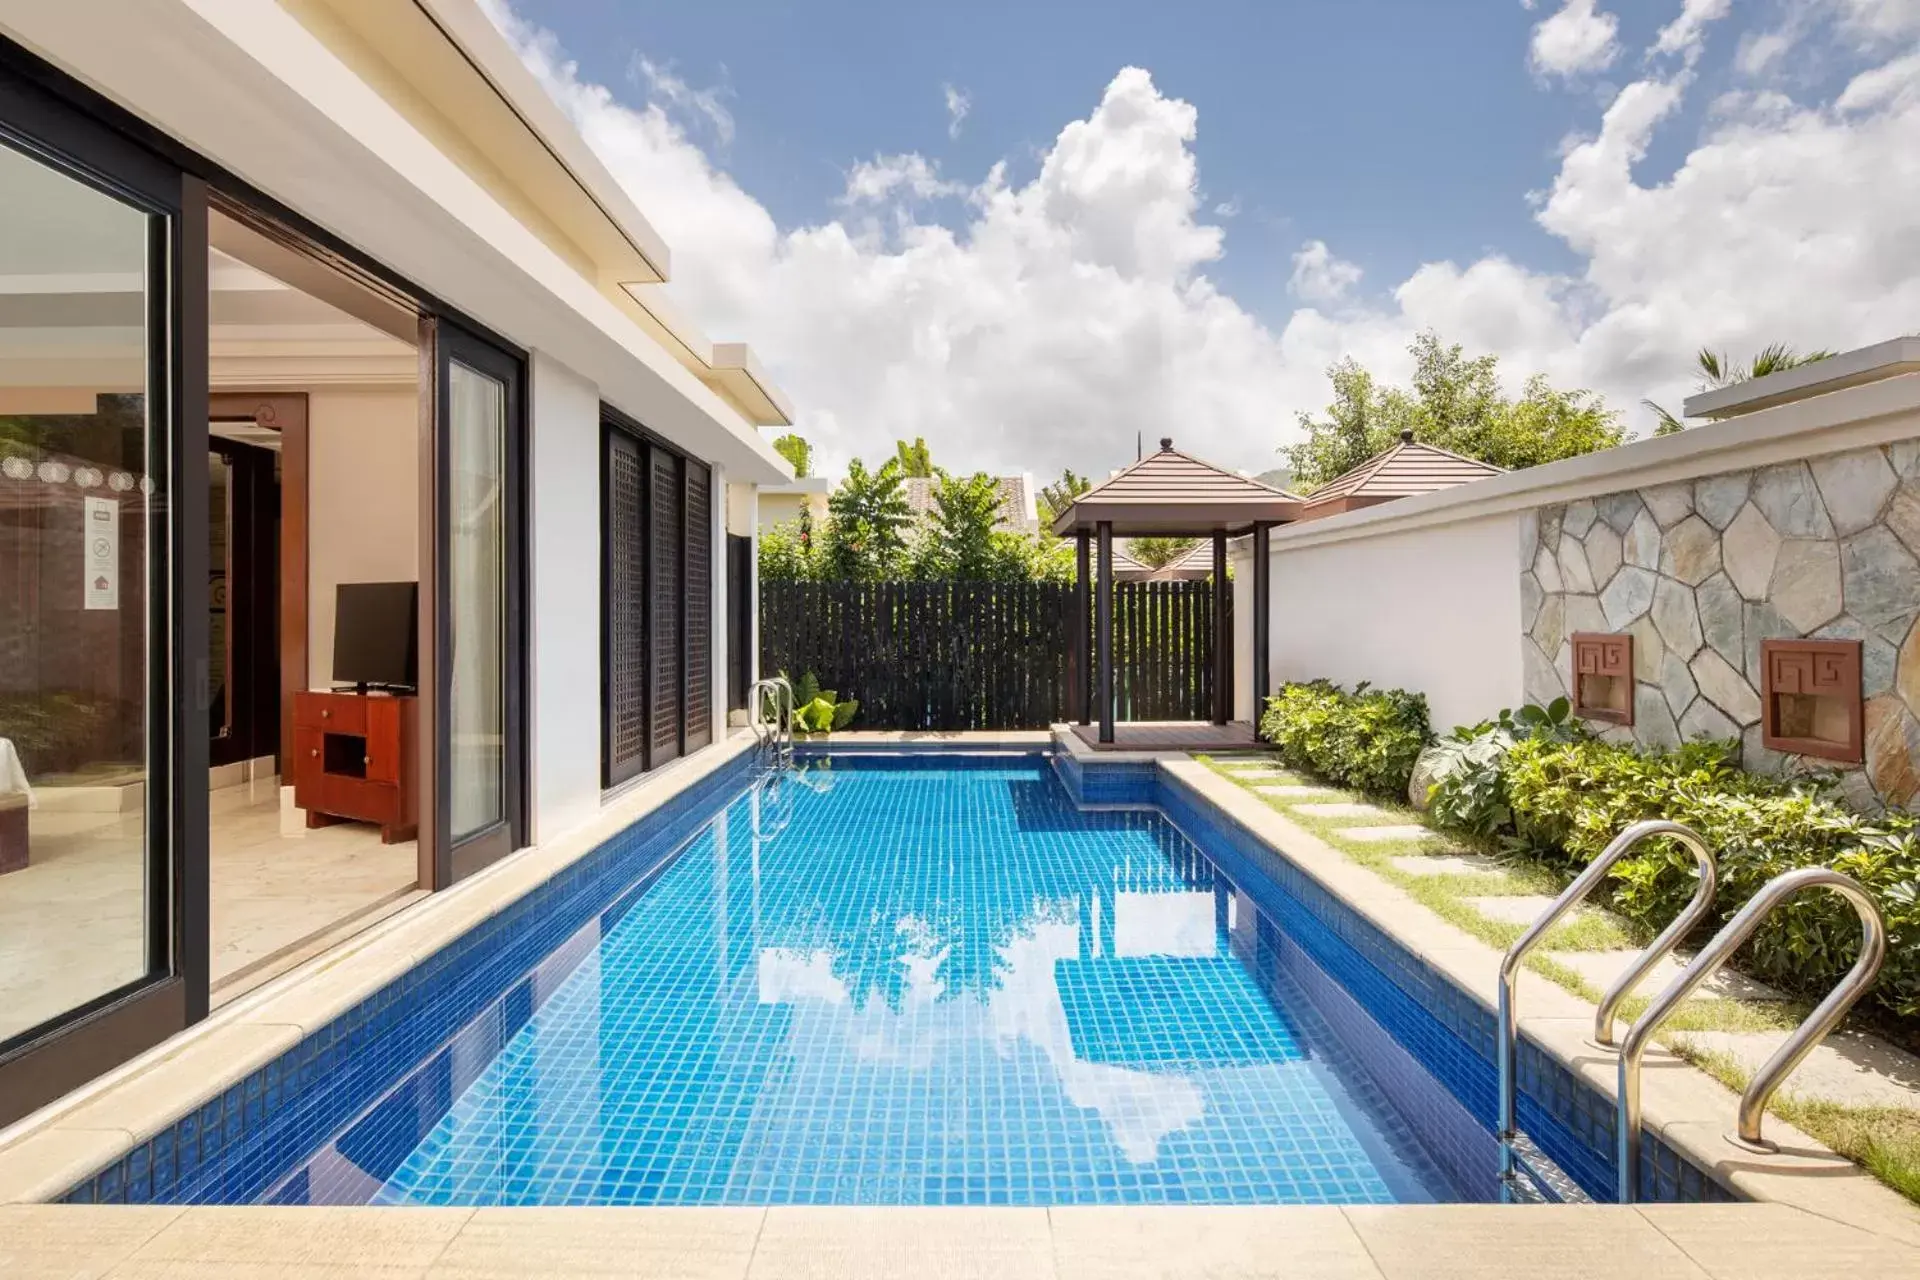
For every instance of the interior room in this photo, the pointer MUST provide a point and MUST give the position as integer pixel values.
(314, 536)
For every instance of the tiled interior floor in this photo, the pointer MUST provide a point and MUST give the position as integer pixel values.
(72, 921)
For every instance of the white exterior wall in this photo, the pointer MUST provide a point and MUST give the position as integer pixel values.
(564, 591)
(1435, 610)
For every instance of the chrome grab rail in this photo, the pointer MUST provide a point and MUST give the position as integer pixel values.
(776, 737)
(1760, 1090)
(1507, 1043)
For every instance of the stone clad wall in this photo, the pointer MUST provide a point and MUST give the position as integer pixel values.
(1701, 571)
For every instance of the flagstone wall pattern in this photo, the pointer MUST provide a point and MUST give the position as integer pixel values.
(1701, 571)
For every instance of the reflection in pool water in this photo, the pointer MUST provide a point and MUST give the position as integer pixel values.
(900, 982)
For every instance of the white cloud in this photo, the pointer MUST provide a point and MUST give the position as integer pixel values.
(1055, 318)
(886, 177)
(1686, 33)
(1319, 278)
(707, 103)
(1574, 40)
(958, 104)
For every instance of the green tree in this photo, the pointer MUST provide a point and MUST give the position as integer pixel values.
(1717, 370)
(868, 519)
(796, 450)
(1455, 403)
(914, 459)
(789, 552)
(1155, 552)
(1058, 496)
(957, 540)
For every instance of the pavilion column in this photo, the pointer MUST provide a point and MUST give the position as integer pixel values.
(1222, 635)
(1080, 699)
(1262, 621)
(1103, 624)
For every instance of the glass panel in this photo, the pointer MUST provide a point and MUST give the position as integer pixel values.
(76, 500)
(477, 466)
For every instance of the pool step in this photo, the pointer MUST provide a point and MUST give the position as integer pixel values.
(1538, 1180)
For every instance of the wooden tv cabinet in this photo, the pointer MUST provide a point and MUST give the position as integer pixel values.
(355, 758)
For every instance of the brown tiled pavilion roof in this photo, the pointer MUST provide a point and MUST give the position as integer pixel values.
(1405, 469)
(1170, 492)
(1195, 562)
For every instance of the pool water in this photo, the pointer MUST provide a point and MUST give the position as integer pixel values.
(904, 980)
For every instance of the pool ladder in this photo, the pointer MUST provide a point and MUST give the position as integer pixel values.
(1527, 1173)
(770, 703)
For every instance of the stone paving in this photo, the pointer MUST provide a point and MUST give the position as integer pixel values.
(1387, 834)
(1444, 864)
(1341, 809)
(1700, 573)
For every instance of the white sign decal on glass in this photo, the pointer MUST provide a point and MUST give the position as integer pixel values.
(103, 553)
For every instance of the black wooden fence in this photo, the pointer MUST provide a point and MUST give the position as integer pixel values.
(987, 655)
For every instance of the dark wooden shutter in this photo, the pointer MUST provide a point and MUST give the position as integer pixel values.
(699, 598)
(664, 593)
(625, 639)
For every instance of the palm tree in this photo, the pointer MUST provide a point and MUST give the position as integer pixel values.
(1718, 370)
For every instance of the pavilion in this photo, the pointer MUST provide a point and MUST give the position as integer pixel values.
(1172, 494)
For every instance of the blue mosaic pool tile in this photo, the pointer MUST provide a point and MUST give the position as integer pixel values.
(1399, 1058)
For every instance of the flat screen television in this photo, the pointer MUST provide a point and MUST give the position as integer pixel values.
(376, 635)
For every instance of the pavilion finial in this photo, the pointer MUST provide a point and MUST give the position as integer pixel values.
(1406, 435)
(1166, 442)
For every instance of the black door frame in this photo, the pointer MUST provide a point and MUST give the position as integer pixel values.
(80, 1043)
(446, 342)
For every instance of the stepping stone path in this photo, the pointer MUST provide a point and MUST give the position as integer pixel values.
(1520, 908)
(1342, 809)
(1444, 865)
(1381, 835)
(1290, 789)
(1601, 968)
(1848, 1066)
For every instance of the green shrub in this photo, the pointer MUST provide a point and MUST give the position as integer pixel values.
(1569, 799)
(1469, 787)
(1367, 739)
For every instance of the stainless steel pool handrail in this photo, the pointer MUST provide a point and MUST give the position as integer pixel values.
(1805, 1038)
(1508, 1035)
(775, 736)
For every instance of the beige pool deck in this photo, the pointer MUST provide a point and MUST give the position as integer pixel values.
(1399, 1242)
(1826, 1217)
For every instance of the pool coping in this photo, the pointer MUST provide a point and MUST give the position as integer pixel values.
(1375, 1242)
(1687, 1108)
(46, 1152)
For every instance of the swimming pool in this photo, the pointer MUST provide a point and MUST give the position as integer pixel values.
(927, 978)
(916, 981)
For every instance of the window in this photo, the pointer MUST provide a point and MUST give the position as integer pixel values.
(656, 603)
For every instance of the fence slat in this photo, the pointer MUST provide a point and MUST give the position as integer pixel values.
(987, 655)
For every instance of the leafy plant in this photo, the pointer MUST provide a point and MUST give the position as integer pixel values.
(1367, 739)
(1469, 789)
(1569, 799)
(817, 710)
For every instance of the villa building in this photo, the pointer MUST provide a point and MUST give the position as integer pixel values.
(366, 511)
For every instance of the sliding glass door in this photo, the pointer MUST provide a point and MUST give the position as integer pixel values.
(477, 600)
(95, 839)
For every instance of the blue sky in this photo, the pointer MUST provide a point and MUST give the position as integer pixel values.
(1305, 107)
(1591, 189)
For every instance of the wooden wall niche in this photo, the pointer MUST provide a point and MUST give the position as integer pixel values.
(1603, 677)
(1811, 704)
